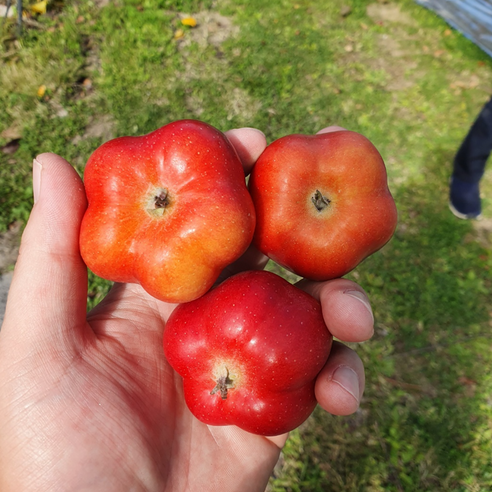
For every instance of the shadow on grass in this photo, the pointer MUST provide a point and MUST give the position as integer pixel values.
(425, 418)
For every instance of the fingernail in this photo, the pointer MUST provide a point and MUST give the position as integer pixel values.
(356, 294)
(36, 179)
(255, 129)
(249, 128)
(331, 129)
(347, 378)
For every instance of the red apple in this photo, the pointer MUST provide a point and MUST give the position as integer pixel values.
(168, 210)
(322, 203)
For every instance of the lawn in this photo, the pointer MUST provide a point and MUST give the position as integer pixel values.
(87, 71)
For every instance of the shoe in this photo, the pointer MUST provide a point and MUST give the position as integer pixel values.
(464, 199)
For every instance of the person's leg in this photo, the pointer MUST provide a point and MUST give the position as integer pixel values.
(469, 166)
(470, 160)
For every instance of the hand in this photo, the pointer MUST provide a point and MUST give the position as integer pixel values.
(88, 402)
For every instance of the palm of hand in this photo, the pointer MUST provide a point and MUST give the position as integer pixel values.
(112, 402)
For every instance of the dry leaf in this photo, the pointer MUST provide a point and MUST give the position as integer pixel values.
(11, 147)
(188, 21)
(179, 34)
(473, 83)
(39, 8)
(466, 381)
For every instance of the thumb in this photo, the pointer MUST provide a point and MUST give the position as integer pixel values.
(48, 293)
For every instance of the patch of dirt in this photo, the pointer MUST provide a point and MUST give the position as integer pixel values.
(396, 62)
(389, 12)
(394, 59)
(399, 51)
(483, 230)
(212, 29)
(9, 247)
(102, 127)
(5, 281)
(396, 47)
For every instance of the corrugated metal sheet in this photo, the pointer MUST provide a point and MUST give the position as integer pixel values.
(471, 17)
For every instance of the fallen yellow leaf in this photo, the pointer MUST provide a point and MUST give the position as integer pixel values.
(179, 34)
(188, 21)
(41, 90)
(39, 7)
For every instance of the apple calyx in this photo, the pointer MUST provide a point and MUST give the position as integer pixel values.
(158, 202)
(162, 199)
(320, 201)
(224, 383)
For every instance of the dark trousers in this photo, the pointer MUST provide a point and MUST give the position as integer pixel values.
(469, 162)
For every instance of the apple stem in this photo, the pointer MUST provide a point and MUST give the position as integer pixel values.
(224, 383)
(162, 199)
(320, 201)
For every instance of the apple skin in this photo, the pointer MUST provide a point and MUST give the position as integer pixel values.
(263, 334)
(168, 210)
(355, 214)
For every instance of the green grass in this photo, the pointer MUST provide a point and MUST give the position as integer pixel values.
(412, 86)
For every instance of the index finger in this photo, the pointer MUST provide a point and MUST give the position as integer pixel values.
(346, 308)
(249, 144)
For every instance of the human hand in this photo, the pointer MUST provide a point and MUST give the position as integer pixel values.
(88, 402)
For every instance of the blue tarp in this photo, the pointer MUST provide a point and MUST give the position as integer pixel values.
(473, 18)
